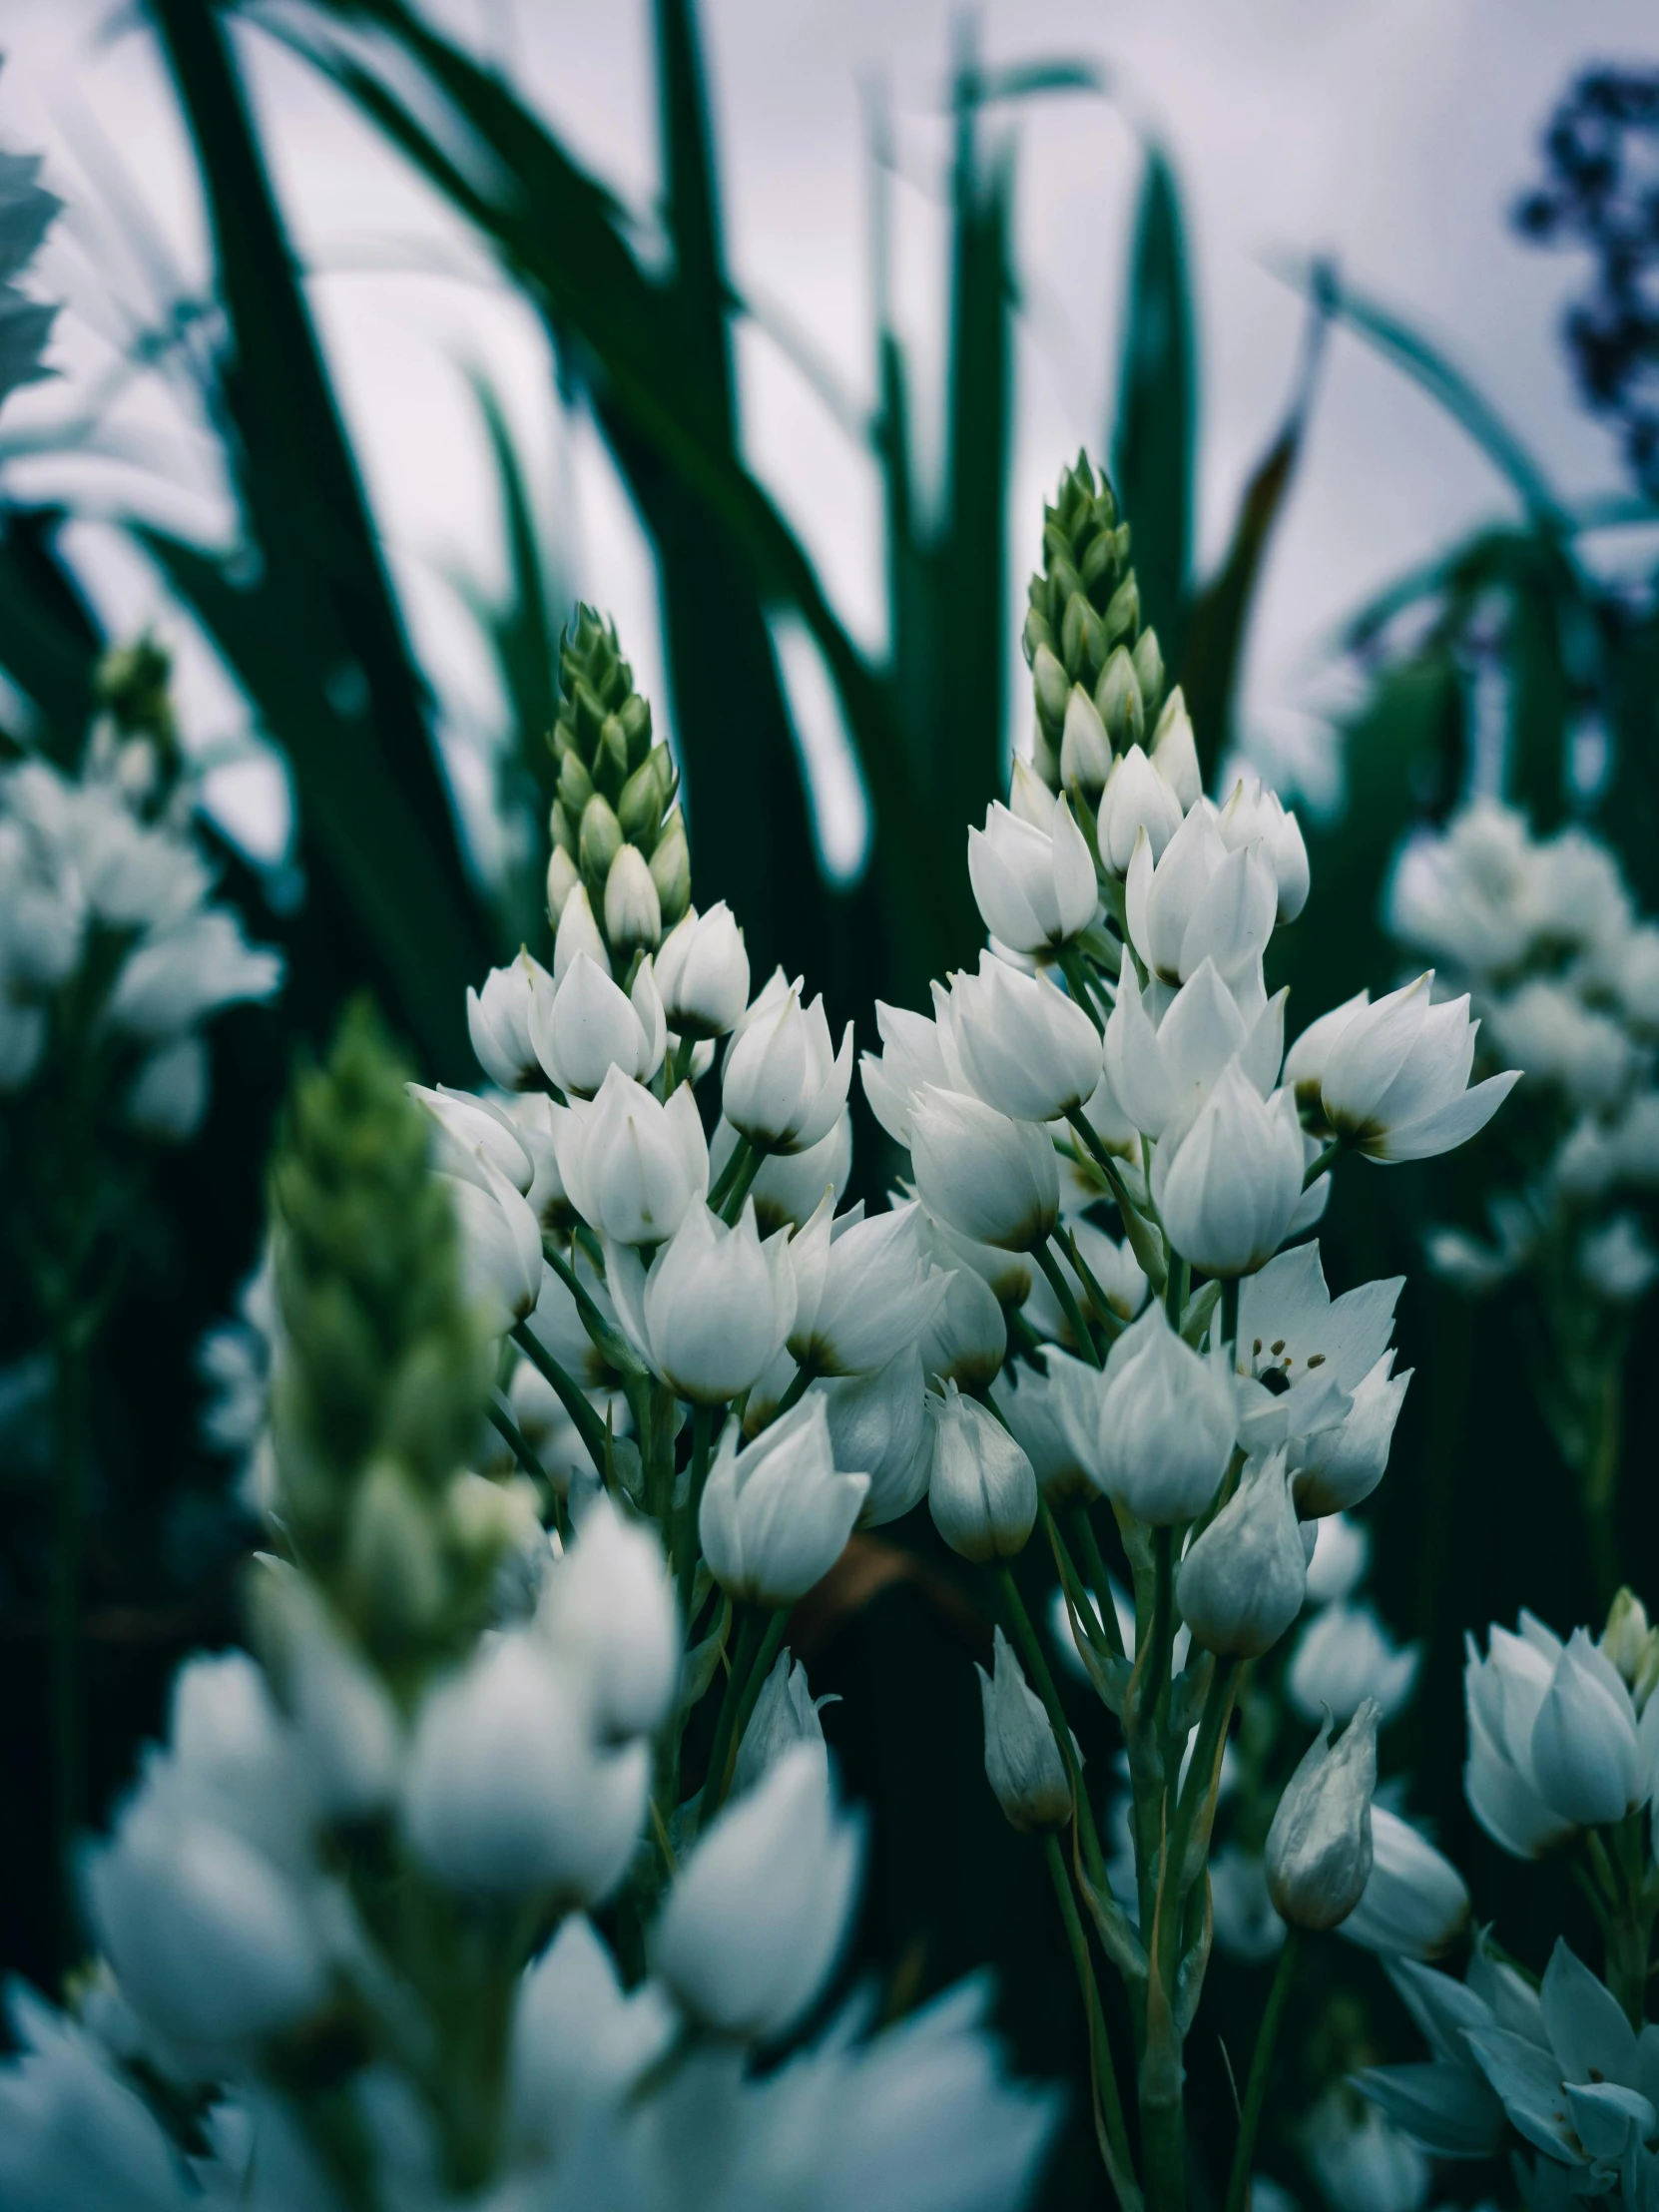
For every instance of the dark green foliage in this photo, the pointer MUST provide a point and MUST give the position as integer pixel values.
(1153, 448)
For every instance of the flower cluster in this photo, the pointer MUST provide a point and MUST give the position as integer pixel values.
(113, 952)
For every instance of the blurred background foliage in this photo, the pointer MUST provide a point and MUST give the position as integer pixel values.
(1477, 1513)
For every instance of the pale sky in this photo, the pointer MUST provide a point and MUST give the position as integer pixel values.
(1392, 135)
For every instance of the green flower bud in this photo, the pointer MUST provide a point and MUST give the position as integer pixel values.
(610, 771)
(1123, 610)
(1052, 689)
(633, 905)
(563, 877)
(635, 717)
(1117, 697)
(640, 808)
(393, 1570)
(598, 845)
(559, 829)
(1149, 670)
(671, 870)
(1082, 638)
(575, 784)
(1038, 636)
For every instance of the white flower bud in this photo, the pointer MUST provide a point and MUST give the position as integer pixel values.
(776, 1514)
(179, 974)
(577, 934)
(1029, 798)
(981, 1492)
(498, 1022)
(1241, 1584)
(1254, 815)
(475, 1132)
(608, 1607)
(703, 973)
(784, 1085)
(992, 1177)
(1026, 1047)
(1136, 798)
(1416, 1904)
(1174, 752)
(966, 1339)
(564, 878)
(1586, 1758)
(1338, 1467)
(507, 1793)
(534, 1119)
(1023, 1761)
(501, 1261)
(1085, 748)
(1055, 1417)
(753, 1928)
(588, 1025)
(785, 1716)
(1035, 888)
(1394, 1076)
(1198, 901)
(1167, 1424)
(879, 1423)
(347, 1727)
(714, 1310)
(1228, 1187)
(1502, 1695)
(791, 1185)
(633, 911)
(633, 1167)
(1318, 1850)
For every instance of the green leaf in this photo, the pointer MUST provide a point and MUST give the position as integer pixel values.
(329, 625)
(50, 642)
(1153, 446)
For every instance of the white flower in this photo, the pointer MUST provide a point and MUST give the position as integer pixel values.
(993, 1178)
(501, 1261)
(578, 2044)
(1592, 1760)
(168, 1097)
(1463, 896)
(1054, 1416)
(1167, 1424)
(350, 1733)
(633, 910)
(632, 1166)
(776, 1514)
(1137, 797)
(1241, 1584)
(1305, 1062)
(473, 1132)
(1115, 1270)
(1502, 1695)
(498, 1022)
(879, 1423)
(703, 973)
(785, 1716)
(1617, 1259)
(1228, 1187)
(508, 1793)
(1024, 1046)
(1246, 1926)
(1035, 888)
(714, 1310)
(1553, 1037)
(1343, 1657)
(535, 1120)
(912, 1057)
(863, 1289)
(1341, 1550)
(1416, 1903)
(784, 1085)
(1394, 1076)
(1085, 748)
(1256, 816)
(758, 1915)
(1360, 2162)
(982, 1494)
(608, 1606)
(587, 1025)
(1198, 901)
(1023, 1761)
(1339, 1466)
(193, 967)
(967, 1338)
(1161, 1075)
(1318, 1850)
(1303, 1357)
(558, 1326)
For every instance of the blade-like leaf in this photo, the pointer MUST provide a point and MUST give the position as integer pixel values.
(1157, 418)
(50, 641)
(326, 595)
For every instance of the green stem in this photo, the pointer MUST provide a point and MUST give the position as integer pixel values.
(1037, 1669)
(1110, 1321)
(1229, 1322)
(1094, 1566)
(1073, 1583)
(614, 1347)
(1142, 1242)
(1260, 2066)
(70, 1446)
(680, 1065)
(731, 1183)
(1321, 1163)
(1068, 1305)
(589, 1427)
(513, 1436)
(703, 1418)
(754, 1662)
(1077, 983)
(797, 1389)
(1175, 1289)
(1110, 2132)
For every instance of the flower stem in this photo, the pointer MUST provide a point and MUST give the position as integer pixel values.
(1068, 1304)
(1037, 1666)
(70, 1473)
(1229, 1321)
(513, 1437)
(1142, 1242)
(1094, 1566)
(1077, 983)
(759, 1642)
(685, 1544)
(1321, 1163)
(1260, 2066)
(731, 1183)
(1110, 2132)
(797, 1391)
(589, 1427)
